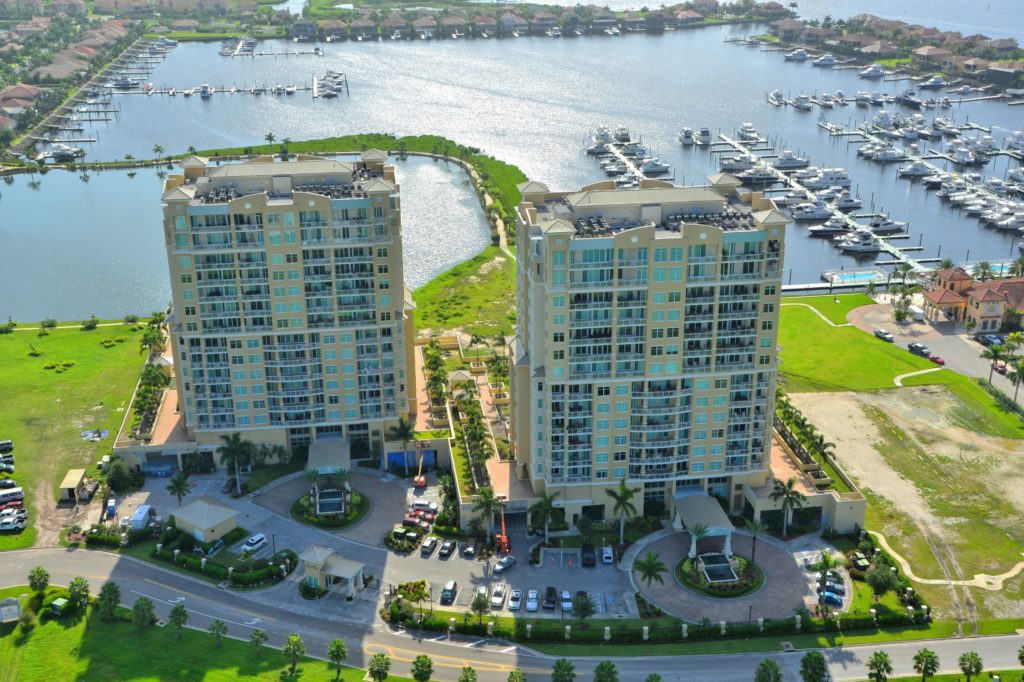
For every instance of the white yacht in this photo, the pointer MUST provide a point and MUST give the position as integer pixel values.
(802, 102)
(798, 55)
(748, 133)
(793, 196)
(873, 71)
(825, 60)
(829, 177)
(704, 136)
(1014, 221)
(883, 224)
(860, 241)
(834, 226)
(862, 99)
(811, 211)
(789, 161)
(655, 167)
(686, 137)
(732, 164)
(830, 193)
(1015, 140)
(759, 175)
(776, 97)
(809, 172)
(889, 154)
(847, 202)
(205, 91)
(936, 82)
(917, 169)
(1016, 175)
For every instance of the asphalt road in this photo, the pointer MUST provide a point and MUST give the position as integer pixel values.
(243, 611)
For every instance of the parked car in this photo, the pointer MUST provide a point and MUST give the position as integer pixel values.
(504, 563)
(566, 600)
(7, 468)
(831, 599)
(834, 587)
(449, 591)
(515, 600)
(428, 546)
(1000, 366)
(8, 514)
(936, 359)
(447, 547)
(531, 600)
(550, 597)
(608, 555)
(588, 557)
(6, 445)
(424, 505)
(918, 349)
(255, 543)
(229, 485)
(498, 597)
(834, 576)
(983, 339)
(7, 459)
(12, 525)
(884, 335)
(468, 550)
(8, 483)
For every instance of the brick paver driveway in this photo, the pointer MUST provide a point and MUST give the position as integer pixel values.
(388, 500)
(786, 586)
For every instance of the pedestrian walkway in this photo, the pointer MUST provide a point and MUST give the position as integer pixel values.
(818, 313)
(992, 583)
(899, 379)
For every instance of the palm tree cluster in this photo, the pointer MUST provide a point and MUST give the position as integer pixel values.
(437, 378)
(903, 293)
(1006, 353)
(152, 383)
(475, 436)
(814, 667)
(800, 435)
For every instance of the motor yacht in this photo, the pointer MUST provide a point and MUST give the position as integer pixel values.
(811, 211)
(787, 160)
(826, 101)
(1014, 221)
(834, 226)
(829, 177)
(862, 99)
(704, 136)
(805, 173)
(889, 154)
(732, 164)
(205, 91)
(655, 167)
(621, 133)
(686, 137)
(861, 241)
(748, 133)
(936, 82)
(776, 97)
(794, 196)
(908, 99)
(802, 102)
(825, 61)
(873, 71)
(882, 224)
(829, 193)
(759, 175)
(847, 202)
(917, 169)
(798, 55)
(1016, 175)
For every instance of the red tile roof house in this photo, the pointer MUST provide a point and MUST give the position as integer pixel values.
(484, 24)
(984, 306)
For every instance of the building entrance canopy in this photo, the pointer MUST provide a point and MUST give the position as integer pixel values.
(697, 508)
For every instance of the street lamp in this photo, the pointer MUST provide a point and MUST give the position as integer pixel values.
(750, 613)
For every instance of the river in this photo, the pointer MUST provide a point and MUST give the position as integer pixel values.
(529, 101)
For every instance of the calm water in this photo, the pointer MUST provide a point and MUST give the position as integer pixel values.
(67, 257)
(531, 101)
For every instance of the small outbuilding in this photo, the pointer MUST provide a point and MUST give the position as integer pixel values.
(205, 519)
(72, 485)
(323, 568)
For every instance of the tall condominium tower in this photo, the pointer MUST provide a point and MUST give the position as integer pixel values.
(290, 316)
(646, 342)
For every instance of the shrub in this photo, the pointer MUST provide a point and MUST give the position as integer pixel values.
(90, 324)
(48, 323)
(307, 591)
(7, 327)
(131, 319)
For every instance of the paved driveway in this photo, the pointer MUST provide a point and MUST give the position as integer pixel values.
(785, 588)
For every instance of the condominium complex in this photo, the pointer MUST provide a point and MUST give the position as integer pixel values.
(646, 330)
(290, 316)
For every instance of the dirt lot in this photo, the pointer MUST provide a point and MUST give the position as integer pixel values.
(955, 497)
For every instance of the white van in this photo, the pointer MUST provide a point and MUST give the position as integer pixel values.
(11, 494)
(424, 505)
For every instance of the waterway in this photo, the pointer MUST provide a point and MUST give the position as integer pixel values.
(74, 248)
(529, 101)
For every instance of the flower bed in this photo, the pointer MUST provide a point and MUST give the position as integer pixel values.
(751, 577)
(356, 509)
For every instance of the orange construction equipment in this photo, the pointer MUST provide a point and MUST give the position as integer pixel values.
(420, 481)
(501, 539)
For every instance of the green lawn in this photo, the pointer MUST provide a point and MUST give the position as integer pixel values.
(818, 357)
(476, 296)
(1005, 675)
(980, 411)
(264, 475)
(834, 308)
(44, 411)
(64, 649)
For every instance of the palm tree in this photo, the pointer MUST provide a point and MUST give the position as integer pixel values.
(994, 353)
(879, 667)
(903, 272)
(698, 532)
(476, 340)
(403, 432)
(257, 639)
(294, 648)
(158, 150)
(152, 340)
(1016, 268)
(970, 664)
(982, 270)
(623, 498)
(543, 510)
(378, 667)
(650, 568)
(487, 505)
(178, 486)
(233, 454)
(926, 663)
(337, 651)
(755, 528)
(790, 497)
(946, 264)
(1020, 655)
(178, 617)
(1016, 375)
(768, 670)
(270, 137)
(1014, 340)
(218, 629)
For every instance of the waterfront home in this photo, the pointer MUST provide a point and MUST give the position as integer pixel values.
(602, 21)
(453, 26)
(929, 55)
(396, 26)
(303, 29)
(786, 29)
(37, 27)
(975, 65)
(688, 16)
(1004, 74)
(510, 23)
(570, 21)
(880, 49)
(543, 22)
(632, 22)
(854, 41)
(654, 22)
(425, 27)
(814, 36)
(331, 27)
(185, 25)
(1002, 46)
(985, 306)
(484, 25)
(362, 29)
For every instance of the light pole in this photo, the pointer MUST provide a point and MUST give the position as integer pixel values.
(273, 542)
(750, 613)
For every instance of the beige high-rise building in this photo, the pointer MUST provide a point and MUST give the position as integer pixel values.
(647, 325)
(290, 319)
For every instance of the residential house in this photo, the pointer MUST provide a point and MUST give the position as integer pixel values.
(570, 21)
(654, 22)
(543, 22)
(185, 25)
(396, 27)
(425, 27)
(1003, 74)
(929, 55)
(854, 41)
(772, 9)
(602, 21)
(453, 26)
(303, 29)
(16, 98)
(975, 65)
(985, 306)
(688, 16)
(510, 23)
(362, 29)
(814, 36)
(632, 22)
(1002, 46)
(484, 25)
(707, 7)
(880, 48)
(331, 28)
(786, 29)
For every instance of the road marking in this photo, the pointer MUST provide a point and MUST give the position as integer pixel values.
(196, 596)
(457, 663)
(439, 638)
(473, 644)
(198, 613)
(253, 622)
(508, 650)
